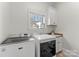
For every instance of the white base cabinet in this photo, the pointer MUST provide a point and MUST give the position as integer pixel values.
(59, 44)
(23, 49)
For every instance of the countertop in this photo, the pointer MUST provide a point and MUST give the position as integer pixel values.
(56, 34)
(17, 42)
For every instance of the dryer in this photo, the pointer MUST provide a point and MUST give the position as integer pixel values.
(45, 45)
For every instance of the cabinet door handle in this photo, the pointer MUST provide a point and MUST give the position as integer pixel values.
(20, 48)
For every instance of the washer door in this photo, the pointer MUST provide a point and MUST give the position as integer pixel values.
(48, 49)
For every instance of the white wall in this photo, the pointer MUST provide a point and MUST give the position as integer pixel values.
(13, 17)
(4, 20)
(68, 23)
(19, 18)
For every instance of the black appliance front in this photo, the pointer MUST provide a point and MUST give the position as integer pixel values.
(48, 49)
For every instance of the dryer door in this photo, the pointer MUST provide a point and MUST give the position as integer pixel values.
(48, 49)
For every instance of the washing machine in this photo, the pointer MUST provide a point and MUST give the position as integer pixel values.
(45, 45)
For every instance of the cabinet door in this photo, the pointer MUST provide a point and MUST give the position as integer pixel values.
(8, 51)
(59, 44)
(51, 16)
(26, 49)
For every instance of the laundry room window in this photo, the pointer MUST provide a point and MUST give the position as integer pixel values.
(37, 20)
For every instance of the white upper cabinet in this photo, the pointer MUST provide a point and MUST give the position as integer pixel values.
(51, 20)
